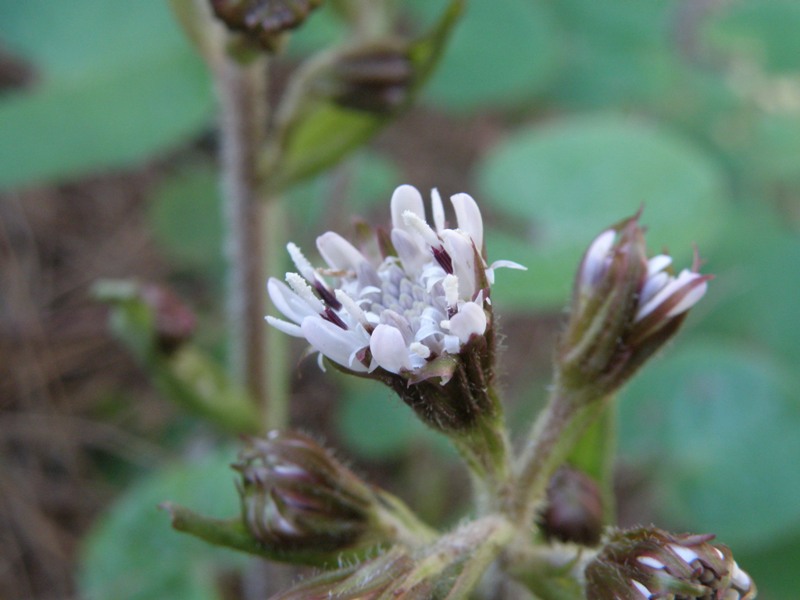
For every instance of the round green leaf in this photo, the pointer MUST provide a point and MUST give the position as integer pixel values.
(133, 554)
(560, 185)
(116, 83)
(500, 54)
(716, 427)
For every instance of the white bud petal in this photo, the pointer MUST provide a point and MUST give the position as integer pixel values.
(641, 588)
(651, 562)
(470, 319)
(288, 302)
(686, 554)
(338, 344)
(338, 252)
(406, 198)
(469, 219)
(285, 326)
(389, 349)
(438, 210)
(596, 259)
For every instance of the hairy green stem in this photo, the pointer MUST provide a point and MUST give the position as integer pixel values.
(554, 434)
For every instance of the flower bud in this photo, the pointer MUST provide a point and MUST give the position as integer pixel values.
(574, 509)
(648, 563)
(375, 79)
(624, 308)
(174, 321)
(295, 495)
(264, 21)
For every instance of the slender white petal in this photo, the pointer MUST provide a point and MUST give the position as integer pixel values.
(508, 264)
(658, 263)
(672, 287)
(689, 300)
(406, 197)
(471, 319)
(389, 349)
(411, 255)
(289, 303)
(740, 578)
(285, 326)
(468, 217)
(438, 210)
(641, 588)
(336, 343)
(339, 253)
(686, 554)
(596, 259)
(460, 248)
(651, 562)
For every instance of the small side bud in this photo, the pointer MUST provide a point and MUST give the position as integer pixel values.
(295, 494)
(374, 79)
(174, 321)
(624, 308)
(648, 563)
(264, 21)
(574, 509)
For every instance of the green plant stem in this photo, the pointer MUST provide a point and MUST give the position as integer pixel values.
(551, 572)
(554, 434)
(243, 106)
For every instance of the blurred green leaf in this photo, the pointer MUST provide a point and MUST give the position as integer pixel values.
(375, 424)
(116, 83)
(773, 569)
(325, 132)
(501, 54)
(186, 215)
(361, 183)
(715, 426)
(132, 553)
(762, 30)
(560, 185)
(754, 296)
(617, 52)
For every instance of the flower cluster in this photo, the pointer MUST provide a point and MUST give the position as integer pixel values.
(647, 563)
(413, 307)
(425, 297)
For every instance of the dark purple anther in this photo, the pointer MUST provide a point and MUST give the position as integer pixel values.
(444, 259)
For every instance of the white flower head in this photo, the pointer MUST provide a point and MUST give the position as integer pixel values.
(427, 298)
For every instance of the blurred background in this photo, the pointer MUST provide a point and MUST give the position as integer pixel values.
(559, 117)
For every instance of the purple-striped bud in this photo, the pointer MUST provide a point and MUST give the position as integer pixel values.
(295, 495)
(624, 308)
(649, 564)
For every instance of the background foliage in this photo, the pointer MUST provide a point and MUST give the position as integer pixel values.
(580, 113)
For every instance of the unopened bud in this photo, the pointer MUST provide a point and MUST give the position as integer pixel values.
(296, 495)
(624, 308)
(174, 321)
(374, 79)
(264, 21)
(648, 563)
(574, 509)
